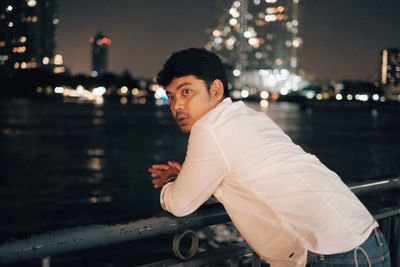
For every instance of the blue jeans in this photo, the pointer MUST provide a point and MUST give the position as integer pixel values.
(373, 252)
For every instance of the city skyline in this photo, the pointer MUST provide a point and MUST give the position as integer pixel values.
(342, 39)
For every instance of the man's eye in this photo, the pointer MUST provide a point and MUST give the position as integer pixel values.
(187, 91)
(171, 98)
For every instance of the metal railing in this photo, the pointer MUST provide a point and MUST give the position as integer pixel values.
(49, 244)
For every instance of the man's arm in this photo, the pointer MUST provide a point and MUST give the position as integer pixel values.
(201, 174)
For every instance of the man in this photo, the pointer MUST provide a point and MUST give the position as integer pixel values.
(284, 201)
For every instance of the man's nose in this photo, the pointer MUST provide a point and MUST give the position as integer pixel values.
(178, 104)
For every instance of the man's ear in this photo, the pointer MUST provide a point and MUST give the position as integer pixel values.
(217, 89)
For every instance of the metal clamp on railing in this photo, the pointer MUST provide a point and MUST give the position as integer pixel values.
(177, 244)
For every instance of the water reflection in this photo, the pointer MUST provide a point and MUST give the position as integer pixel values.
(97, 197)
(94, 164)
(95, 178)
(99, 113)
(97, 152)
(77, 163)
(100, 199)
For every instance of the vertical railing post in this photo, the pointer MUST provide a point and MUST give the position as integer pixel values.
(46, 262)
(385, 225)
(395, 245)
(234, 262)
(255, 260)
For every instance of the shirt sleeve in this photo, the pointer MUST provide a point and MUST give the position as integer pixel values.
(202, 172)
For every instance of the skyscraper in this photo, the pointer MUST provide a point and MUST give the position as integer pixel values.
(259, 41)
(28, 35)
(390, 67)
(99, 53)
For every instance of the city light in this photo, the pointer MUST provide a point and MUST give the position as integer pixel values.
(264, 103)
(245, 93)
(236, 72)
(384, 66)
(284, 91)
(59, 90)
(217, 33)
(19, 49)
(58, 60)
(124, 100)
(160, 94)
(135, 91)
(124, 90)
(361, 97)
(31, 3)
(264, 94)
(234, 12)
(106, 41)
(236, 94)
(22, 39)
(45, 61)
(310, 94)
(99, 91)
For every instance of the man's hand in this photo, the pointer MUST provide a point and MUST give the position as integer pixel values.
(162, 172)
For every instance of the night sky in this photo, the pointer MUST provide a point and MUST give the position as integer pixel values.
(342, 38)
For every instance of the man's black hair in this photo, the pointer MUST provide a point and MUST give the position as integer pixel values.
(201, 63)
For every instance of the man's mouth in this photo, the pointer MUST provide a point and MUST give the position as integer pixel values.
(181, 119)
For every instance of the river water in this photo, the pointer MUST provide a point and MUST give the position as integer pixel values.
(65, 164)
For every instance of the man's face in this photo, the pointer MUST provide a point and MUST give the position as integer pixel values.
(190, 99)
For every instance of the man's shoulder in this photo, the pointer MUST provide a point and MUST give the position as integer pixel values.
(223, 119)
(224, 111)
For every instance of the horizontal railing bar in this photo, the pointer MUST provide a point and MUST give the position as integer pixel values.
(370, 186)
(92, 236)
(386, 212)
(96, 235)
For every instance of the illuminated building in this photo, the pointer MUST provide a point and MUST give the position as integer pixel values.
(390, 67)
(28, 35)
(99, 53)
(259, 40)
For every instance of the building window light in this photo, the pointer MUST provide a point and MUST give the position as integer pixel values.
(31, 3)
(58, 60)
(22, 39)
(59, 70)
(19, 49)
(45, 61)
(33, 19)
(233, 21)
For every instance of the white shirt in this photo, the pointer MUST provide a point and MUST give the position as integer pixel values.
(283, 200)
